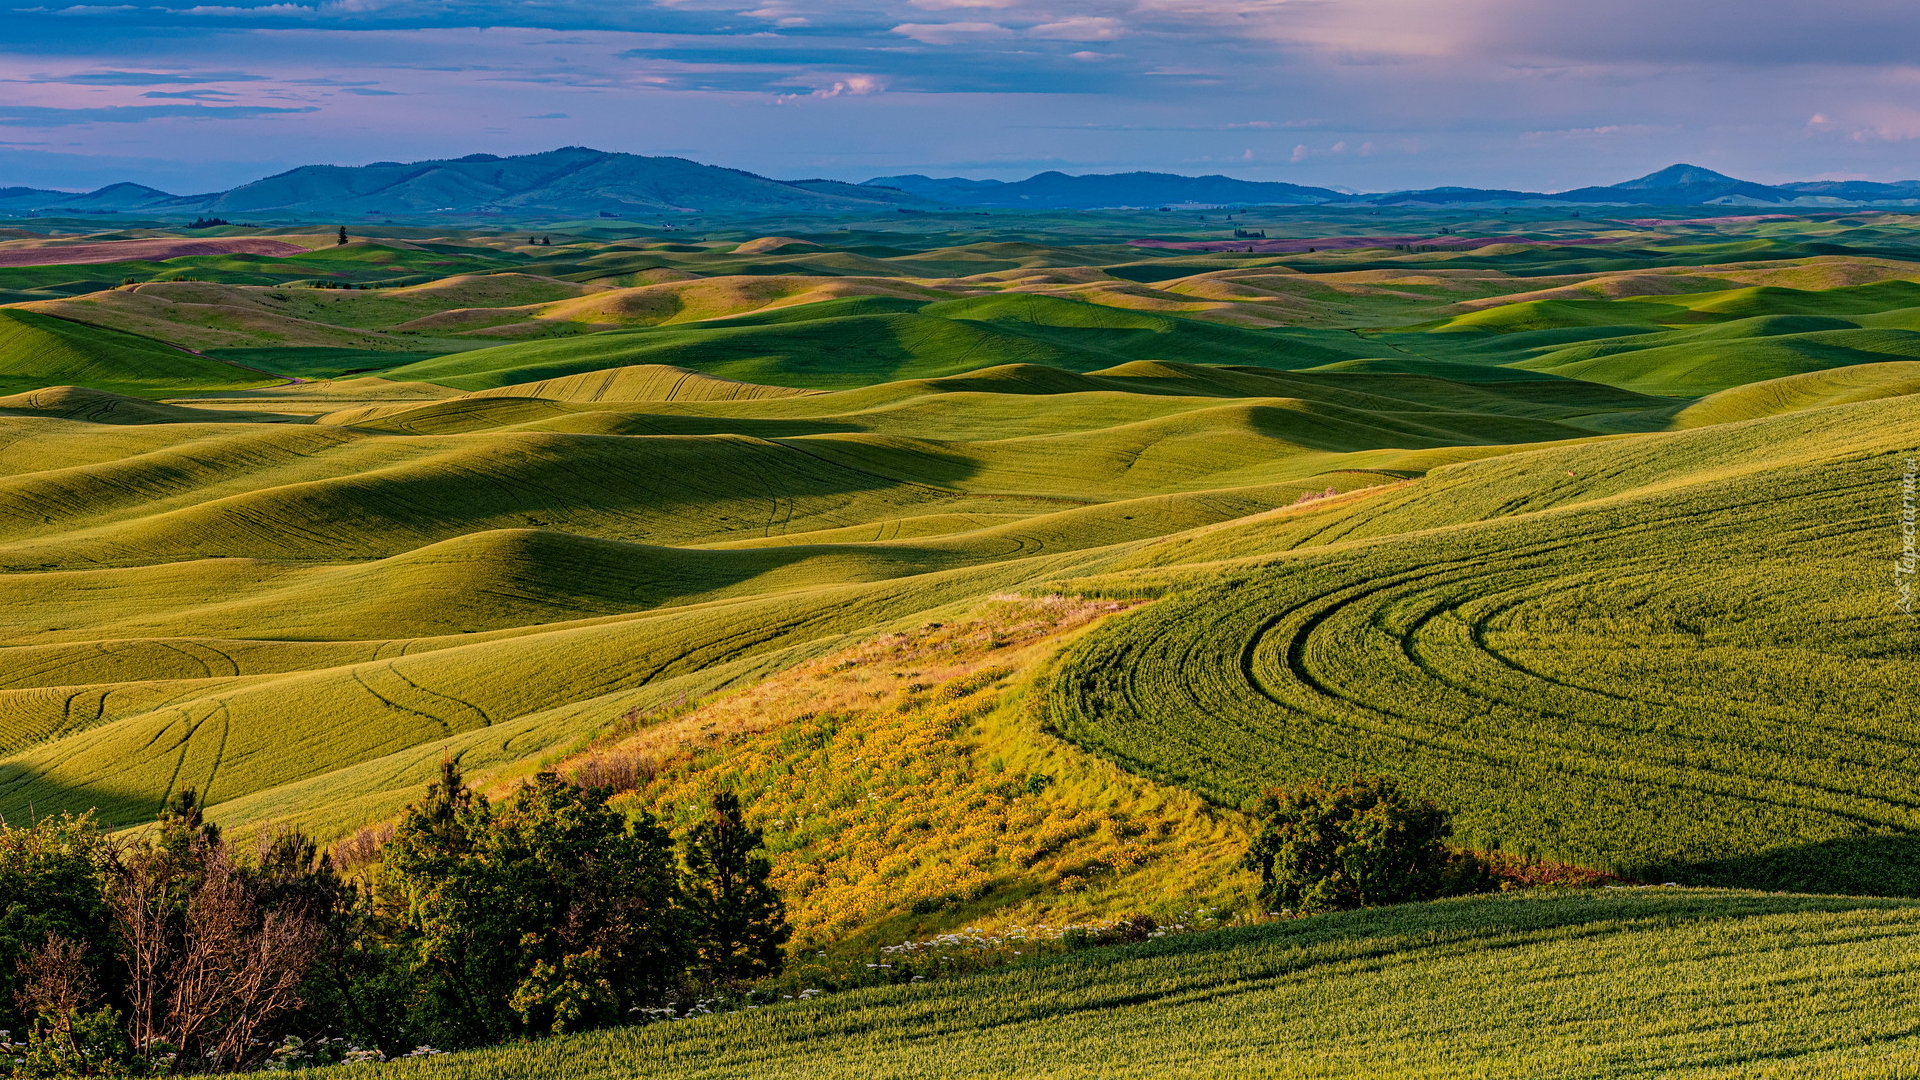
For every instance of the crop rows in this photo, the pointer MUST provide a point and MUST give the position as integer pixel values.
(1675, 684)
(1583, 986)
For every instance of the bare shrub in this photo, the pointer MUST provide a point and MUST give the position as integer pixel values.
(617, 770)
(362, 848)
(213, 968)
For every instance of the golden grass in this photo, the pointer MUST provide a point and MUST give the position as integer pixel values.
(906, 787)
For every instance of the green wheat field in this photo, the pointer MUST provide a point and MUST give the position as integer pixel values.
(1595, 544)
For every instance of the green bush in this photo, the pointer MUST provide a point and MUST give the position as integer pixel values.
(50, 886)
(1327, 846)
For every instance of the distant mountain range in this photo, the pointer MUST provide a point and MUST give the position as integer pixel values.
(577, 182)
(1675, 185)
(573, 181)
(1058, 191)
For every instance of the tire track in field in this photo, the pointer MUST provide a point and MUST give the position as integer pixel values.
(402, 694)
(1577, 753)
(1397, 655)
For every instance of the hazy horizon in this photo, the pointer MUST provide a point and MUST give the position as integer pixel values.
(1338, 187)
(1369, 95)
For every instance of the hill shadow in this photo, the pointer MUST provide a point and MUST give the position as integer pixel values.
(1886, 865)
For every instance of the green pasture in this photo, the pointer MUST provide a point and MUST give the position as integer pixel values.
(1675, 346)
(1684, 345)
(1570, 986)
(360, 262)
(1677, 656)
(1593, 544)
(414, 570)
(186, 586)
(39, 351)
(1591, 569)
(857, 341)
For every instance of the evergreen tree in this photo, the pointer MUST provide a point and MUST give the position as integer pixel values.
(343, 236)
(739, 920)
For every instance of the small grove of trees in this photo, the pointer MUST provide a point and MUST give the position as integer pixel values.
(142, 956)
(1363, 842)
(547, 912)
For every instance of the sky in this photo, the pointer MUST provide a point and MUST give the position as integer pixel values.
(1361, 95)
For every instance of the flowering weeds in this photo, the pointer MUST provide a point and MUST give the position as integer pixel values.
(932, 802)
(294, 1054)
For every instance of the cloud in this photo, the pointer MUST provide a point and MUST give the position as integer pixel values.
(147, 78)
(1845, 32)
(1302, 152)
(777, 64)
(951, 33)
(1518, 32)
(1604, 131)
(778, 15)
(364, 92)
(1508, 93)
(81, 10)
(660, 16)
(36, 116)
(1884, 123)
(1084, 28)
(856, 85)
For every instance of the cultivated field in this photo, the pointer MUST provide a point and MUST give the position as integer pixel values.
(1002, 566)
(1638, 982)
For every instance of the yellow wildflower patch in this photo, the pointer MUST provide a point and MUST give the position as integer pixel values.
(903, 786)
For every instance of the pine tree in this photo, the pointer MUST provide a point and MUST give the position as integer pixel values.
(739, 919)
(343, 236)
(449, 800)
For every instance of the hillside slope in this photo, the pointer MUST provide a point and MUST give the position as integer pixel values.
(1581, 986)
(1662, 655)
(39, 351)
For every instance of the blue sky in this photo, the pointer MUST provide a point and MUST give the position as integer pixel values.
(1357, 94)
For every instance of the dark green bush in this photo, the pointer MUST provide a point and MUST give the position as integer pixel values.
(1364, 842)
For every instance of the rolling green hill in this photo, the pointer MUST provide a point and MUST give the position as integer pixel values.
(1683, 345)
(1072, 548)
(1662, 982)
(1607, 651)
(421, 532)
(39, 351)
(856, 341)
